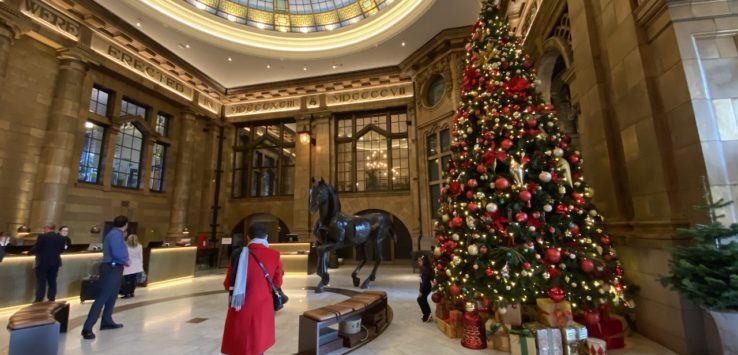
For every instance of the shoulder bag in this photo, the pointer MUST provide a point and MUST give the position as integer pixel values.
(278, 297)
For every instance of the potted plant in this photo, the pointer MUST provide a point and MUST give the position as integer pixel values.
(706, 272)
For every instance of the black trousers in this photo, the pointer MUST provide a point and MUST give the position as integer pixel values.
(129, 284)
(46, 275)
(109, 285)
(423, 302)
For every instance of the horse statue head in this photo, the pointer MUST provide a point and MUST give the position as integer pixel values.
(317, 194)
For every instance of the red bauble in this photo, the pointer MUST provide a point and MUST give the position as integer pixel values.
(564, 145)
(561, 209)
(526, 265)
(501, 155)
(455, 290)
(455, 187)
(573, 158)
(502, 183)
(556, 294)
(489, 272)
(506, 144)
(574, 228)
(472, 183)
(481, 169)
(483, 249)
(436, 297)
(536, 215)
(586, 265)
(619, 270)
(554, 272)
(592, 318)
(553, 255)
(469, 195)
(521, 217)
(472, 206)
(605, 240)
(532, 122)
(457, 222)
(525, 195)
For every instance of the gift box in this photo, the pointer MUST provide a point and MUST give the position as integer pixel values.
(596, 346)
(511, 316)
(455, 317)
(574, 338)
(449, 329)
(498, 337)
(522, 342)
(608, 329)
(554, 314)
(548, 341)
(442, 310)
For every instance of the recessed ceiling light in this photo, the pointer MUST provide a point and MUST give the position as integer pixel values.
(334, 66)
(200, 5)
(187, 45)
(269, 66)
(305, 68)
(230, 59)
(138, 23)
(403, 43)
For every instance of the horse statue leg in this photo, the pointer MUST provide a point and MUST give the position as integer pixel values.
(361, 253)
(377, 261)
(322, 271)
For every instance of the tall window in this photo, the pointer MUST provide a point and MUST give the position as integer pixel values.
(438, 151)
(157, 167)
(162, 124)
(89, 162)
(127, 158)
(372, 151)
(264, 160)
(99, 101)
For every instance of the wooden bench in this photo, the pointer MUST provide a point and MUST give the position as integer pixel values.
(312, 321)
(35, 329)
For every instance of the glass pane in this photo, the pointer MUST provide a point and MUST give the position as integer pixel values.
(345, 164)
(373, 173)
(255, 182)
(444, 162)
(89, 162)
(399, 122)
(237, 183)
(431, 143)
(433, 170)
(287, 181)
(400, 172)
(435, 194)
(445, 140)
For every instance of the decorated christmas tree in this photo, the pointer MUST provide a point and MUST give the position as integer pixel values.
(515, 219)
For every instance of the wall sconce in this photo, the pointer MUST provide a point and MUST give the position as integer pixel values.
(23, 230)
(306, 138)
(95, 229)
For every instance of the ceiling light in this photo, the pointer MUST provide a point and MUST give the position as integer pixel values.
(269, 66)
(230, 59)
(305, 68)
(138, 22)
(334, 66)
(231, 18)
(187, 45)
(200, 5)
(403, 43)
(89, 124)
(261, 26)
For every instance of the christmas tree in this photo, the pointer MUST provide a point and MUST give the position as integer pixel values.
(515, 219)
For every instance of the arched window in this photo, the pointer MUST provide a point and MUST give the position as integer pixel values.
(264, 161)
(372, 151)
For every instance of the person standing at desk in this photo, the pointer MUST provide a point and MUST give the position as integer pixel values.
(48, 249)
(64, 233)
(115, 257)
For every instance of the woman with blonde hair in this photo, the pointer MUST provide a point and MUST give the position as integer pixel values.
(135, 265)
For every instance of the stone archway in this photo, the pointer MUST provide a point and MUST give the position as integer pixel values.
(402, 250)
(276, 228)
(555, 73)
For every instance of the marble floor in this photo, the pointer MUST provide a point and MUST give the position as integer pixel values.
(187, 318)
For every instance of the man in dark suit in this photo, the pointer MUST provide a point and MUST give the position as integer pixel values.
(48, 249)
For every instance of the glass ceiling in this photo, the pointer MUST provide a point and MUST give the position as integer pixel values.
(292, 15)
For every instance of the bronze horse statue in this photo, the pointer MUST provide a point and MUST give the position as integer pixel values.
(335, 230)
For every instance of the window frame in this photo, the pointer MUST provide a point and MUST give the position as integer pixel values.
(120, 137)
(436, 157)
(163, 165)
(245, 164)
(101, 154)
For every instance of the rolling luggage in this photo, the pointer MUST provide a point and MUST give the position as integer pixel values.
(90, 288)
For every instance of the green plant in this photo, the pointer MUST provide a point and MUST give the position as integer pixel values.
(706, 271)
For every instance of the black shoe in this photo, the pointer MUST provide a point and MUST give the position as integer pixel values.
(111, 326)
(89, 335)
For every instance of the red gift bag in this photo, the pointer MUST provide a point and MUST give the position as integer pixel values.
(609, 329)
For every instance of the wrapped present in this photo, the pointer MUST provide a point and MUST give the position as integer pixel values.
(574, 338)
(442, 310)
(554, 314)
(455, 317)
(529, 313)
(449, 329)
(623, 321)
(548, 341)
(608, 329)
(498, 336)
(511, 315)
(475, 336)
(596, 346)
(522, 342)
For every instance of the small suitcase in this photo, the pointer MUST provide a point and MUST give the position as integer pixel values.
(90, 288)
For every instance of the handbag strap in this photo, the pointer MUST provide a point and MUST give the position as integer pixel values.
(263, 269)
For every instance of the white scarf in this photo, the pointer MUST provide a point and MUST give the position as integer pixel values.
(239, 290)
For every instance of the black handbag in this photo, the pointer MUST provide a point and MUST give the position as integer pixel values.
(278, 297)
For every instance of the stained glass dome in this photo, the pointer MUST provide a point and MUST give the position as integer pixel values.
(292, 15)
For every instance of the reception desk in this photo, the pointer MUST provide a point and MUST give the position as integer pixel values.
(164, 264)
(18, 278)
(294, 256)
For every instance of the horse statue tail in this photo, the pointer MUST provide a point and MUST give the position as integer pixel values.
(392, 230)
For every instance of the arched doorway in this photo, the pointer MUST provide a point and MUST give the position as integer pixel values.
(555, 75)
(402, 250)
(276, 228)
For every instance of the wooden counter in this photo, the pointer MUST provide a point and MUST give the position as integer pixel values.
(294, 256)
(166, 264)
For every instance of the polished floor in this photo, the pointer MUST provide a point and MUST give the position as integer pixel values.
(187, 318)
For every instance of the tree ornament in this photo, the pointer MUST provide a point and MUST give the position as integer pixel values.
(506, 144)
(605, 240)
(592, 317)
(502, 183)
(544, 176)
(556, 294)
(473, 249)
(521, 217)
(491, 207)
(455, 290)
(526, 265)
(586, 265)
(436, 297)
(525, 195)
(455, 237)
(457, 222)
(558, 152)
(489, 272)
(547, 208)
(553, 255)
(483, 249)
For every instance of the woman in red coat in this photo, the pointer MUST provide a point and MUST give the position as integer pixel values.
(249, 325)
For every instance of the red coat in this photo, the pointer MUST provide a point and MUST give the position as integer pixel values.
(251, 330)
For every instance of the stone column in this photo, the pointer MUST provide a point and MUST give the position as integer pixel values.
(6, 40)
(183, 174)
(303, 152)
(62, 131)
